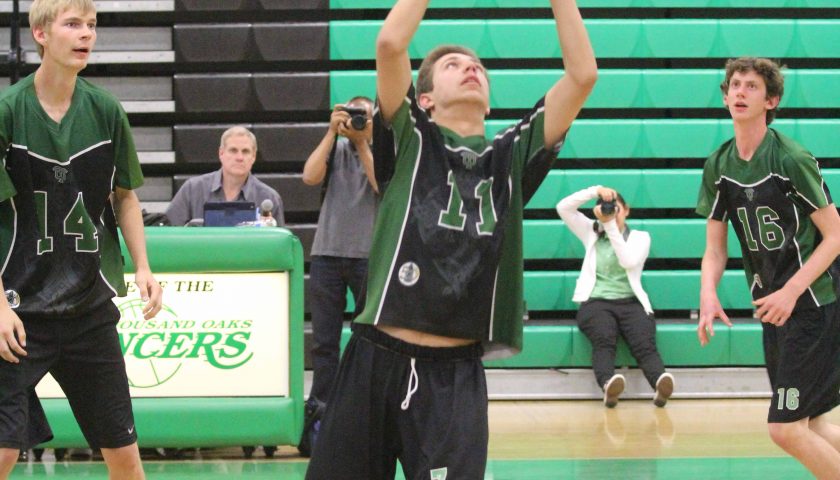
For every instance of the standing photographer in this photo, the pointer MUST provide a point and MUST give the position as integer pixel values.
(344, 163)
(609, 290)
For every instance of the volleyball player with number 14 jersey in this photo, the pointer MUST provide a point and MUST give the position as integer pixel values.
(69, 170)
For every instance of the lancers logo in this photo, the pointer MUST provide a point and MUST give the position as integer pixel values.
(750, 193)
(156, 349)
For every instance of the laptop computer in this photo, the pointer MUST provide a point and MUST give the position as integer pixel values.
(228, 214)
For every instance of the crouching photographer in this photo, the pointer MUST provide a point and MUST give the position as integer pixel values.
(342, 164)
(609, 290)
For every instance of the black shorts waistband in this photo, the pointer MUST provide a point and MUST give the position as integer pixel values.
(383, 340)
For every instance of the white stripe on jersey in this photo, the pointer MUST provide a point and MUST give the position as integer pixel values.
(14, 236)
(405, 219)
(52, 160)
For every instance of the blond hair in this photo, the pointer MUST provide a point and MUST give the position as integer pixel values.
(43, 12)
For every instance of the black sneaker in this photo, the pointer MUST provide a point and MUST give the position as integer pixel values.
(664, 389)
(312, 413)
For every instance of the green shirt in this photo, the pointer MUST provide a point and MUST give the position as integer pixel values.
(446, 256)
(611, 282)
(769, 200)
(58, 233)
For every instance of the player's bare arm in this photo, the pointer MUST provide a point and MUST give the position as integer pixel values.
(565, 99)
(393, 65)
(130, 221)
(777, 307)
(712, 267)
(12, 333)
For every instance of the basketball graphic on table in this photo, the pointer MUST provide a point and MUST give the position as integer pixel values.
(143, 344)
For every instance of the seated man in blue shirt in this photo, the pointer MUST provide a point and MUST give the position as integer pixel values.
(232, 182)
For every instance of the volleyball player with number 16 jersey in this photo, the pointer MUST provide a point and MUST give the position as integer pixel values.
(772, 191)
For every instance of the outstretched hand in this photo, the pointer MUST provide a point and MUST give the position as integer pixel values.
(710, 309)
(150, 293)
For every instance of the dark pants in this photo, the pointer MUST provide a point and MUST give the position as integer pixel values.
(603, 320)
(329, 278)
(425, 406)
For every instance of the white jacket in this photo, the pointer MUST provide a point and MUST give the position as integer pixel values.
(631, 253)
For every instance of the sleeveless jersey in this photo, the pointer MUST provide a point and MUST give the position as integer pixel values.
(58, 234)
(769, 200)
(446, 256)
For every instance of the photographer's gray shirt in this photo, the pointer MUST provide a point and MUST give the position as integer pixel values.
(196, 191)
(346, 220)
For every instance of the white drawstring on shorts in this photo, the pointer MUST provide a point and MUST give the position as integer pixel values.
(413, 383)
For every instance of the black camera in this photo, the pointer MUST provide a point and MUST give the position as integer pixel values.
(607, 207)
(358, 116)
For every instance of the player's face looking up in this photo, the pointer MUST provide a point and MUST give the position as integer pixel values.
(746, 97)
(69, 39)
(458, 78)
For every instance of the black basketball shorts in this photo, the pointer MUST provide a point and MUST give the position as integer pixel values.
(394, 400)
(803, 362)
(84, 356)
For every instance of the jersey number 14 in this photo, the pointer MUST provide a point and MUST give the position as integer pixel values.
(77, 223)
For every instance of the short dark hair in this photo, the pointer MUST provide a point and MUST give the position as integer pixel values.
(767, 69)
(425, 76)
(362, 99)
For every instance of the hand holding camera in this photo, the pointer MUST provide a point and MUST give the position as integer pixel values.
(606, 206)
(352, 122)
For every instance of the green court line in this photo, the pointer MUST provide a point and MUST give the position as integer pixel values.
(585, 469)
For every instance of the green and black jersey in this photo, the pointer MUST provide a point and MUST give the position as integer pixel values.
(58, 234)
(769, 200)
(446, 257)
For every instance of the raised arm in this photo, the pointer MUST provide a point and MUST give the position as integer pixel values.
(714, 263)
(315, 168)
(565, 99)
(393, 65)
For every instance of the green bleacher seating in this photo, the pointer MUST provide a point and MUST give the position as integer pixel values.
(642, 188)
(564, 346)
(667, 289)
(670, 138)
(633, 38)
(670, 238)
(624, 88)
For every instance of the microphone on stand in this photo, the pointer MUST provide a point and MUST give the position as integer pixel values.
(266, 218)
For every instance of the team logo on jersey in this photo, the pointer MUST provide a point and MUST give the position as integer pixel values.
(60, 174)
(469, 159)
(757, 281)
(750, 193)
(409, 274)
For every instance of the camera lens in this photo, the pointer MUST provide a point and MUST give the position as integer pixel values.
(358, 122)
